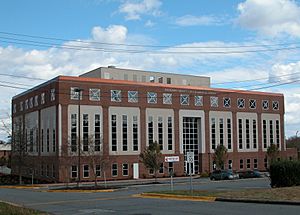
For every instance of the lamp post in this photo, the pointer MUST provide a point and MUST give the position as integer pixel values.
(79, 91)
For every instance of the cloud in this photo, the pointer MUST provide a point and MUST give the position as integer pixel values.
(149, 23)
(285, 72)
(134, 9)
(270, 17)
(112, 34)
(190, 20)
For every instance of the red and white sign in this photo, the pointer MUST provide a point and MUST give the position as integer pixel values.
(172, 159)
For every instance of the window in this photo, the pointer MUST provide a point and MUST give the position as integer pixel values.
(134, 77)
(170, 133)
(26, 104)
(161, 169)
(221, 130)
(198, 100)
(114, 170)
(97, 133)
(229, 134)
(116, 95)
(15, 108)
(265, 133)
(266, 163)
(126, 77)
(48, 140)
(160, 132)
(167, 98)
(150, 130)
(184, 99)
(85, 132)
(43, 98)
(247, 134)
(170, 168)
(106, 75)
(21, 106)
(125, 169)
(133, 96)
(52, 95)
(241, 103)
(265, 104)
(53, 171)
(73, 132)
(152, 79)
(86, 171)
(213, 133)
(31, 140)
(47, 170)
(31, 102)
(53, 140)
(76, 93)
(275, 105)
(74, 172)
(143, 78)
(160, 80)
(36, 140)
(214, 102)
(94, 94)
(254, 133)
(36, 101)
(135, 133)
(98, 170)
(271, 132)
(152, 97)
(252, 104)
(277, 132)
(241, 164)
(42, 140)
(248, 163)
(124, 132)
(227, 102)
(113, 133)
(255, 165)
(229, 164)
(240, 134)
(168, 80)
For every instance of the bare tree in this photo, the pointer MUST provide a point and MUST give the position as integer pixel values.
(220, 156)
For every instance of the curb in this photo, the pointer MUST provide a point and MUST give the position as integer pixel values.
(177, 197)
(80, 191)
(20, 187)
(273, 202)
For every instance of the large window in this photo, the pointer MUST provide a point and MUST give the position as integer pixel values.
(42, 140)
(271, 132)
(254, 130)
(160, 133)
(113, 132)
(53, 140)
(135, 133)
(97, 133)
(265, 133)
(48, 140)
(240, 133)
(150, 130)
(229, 134)
(85, 132)
(247, 134)
(221, 129)
(125, 132)
(213, 133)
(73, 132)
(170, 133)
(277, 131)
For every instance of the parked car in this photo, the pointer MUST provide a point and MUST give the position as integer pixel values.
(250, 174)
(223, 175)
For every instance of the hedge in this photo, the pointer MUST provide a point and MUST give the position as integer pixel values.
(285, 173)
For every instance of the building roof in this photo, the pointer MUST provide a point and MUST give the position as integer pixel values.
(170, 86)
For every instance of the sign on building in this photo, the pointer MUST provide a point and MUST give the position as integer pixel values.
(171, 159)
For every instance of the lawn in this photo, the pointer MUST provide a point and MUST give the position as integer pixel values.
(7, 209)
(274, 194)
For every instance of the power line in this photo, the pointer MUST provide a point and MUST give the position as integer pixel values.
(145, 45)
(22, 76)
(276, 85)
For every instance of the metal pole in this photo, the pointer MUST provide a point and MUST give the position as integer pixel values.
(191, 183)
(172, 185)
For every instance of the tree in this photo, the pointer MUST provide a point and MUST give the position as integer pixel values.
(220, 156)
(151, 157)
(272, 153)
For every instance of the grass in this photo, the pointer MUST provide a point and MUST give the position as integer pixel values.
(273, 194)
(7, 209)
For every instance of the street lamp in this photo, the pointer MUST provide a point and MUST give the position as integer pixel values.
(79, 92)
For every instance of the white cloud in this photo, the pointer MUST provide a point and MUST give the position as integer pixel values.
(190, 20)
(149, 23)
(134, 9)
(270, 17)
(112, 34)
(285, 72)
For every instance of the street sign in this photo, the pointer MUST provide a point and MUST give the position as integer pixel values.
(190, 157)
(172, 159)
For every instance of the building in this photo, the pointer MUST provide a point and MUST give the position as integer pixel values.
(124, 114)
(5, 150)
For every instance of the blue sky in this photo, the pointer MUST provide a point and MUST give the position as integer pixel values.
(242, 26)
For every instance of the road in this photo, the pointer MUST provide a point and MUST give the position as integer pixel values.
(123, 201)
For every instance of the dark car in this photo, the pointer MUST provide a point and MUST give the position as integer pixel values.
(223, 175)
(249, 174)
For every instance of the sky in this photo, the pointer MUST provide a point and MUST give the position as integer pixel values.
(240, 44)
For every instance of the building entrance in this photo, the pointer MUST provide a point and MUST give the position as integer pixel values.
(191, 141)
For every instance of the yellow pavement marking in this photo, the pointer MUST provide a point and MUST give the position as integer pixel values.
(20, 187)
(78, 200)
(176, 197)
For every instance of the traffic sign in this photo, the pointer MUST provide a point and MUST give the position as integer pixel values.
(190, 157)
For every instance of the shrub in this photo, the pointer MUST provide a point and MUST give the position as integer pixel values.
(285, 173)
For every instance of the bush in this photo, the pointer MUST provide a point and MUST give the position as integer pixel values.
(285, 173)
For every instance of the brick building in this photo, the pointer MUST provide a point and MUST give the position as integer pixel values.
(122, 111)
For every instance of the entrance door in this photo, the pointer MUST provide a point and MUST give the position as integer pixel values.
(191, 141)
(136, 171)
